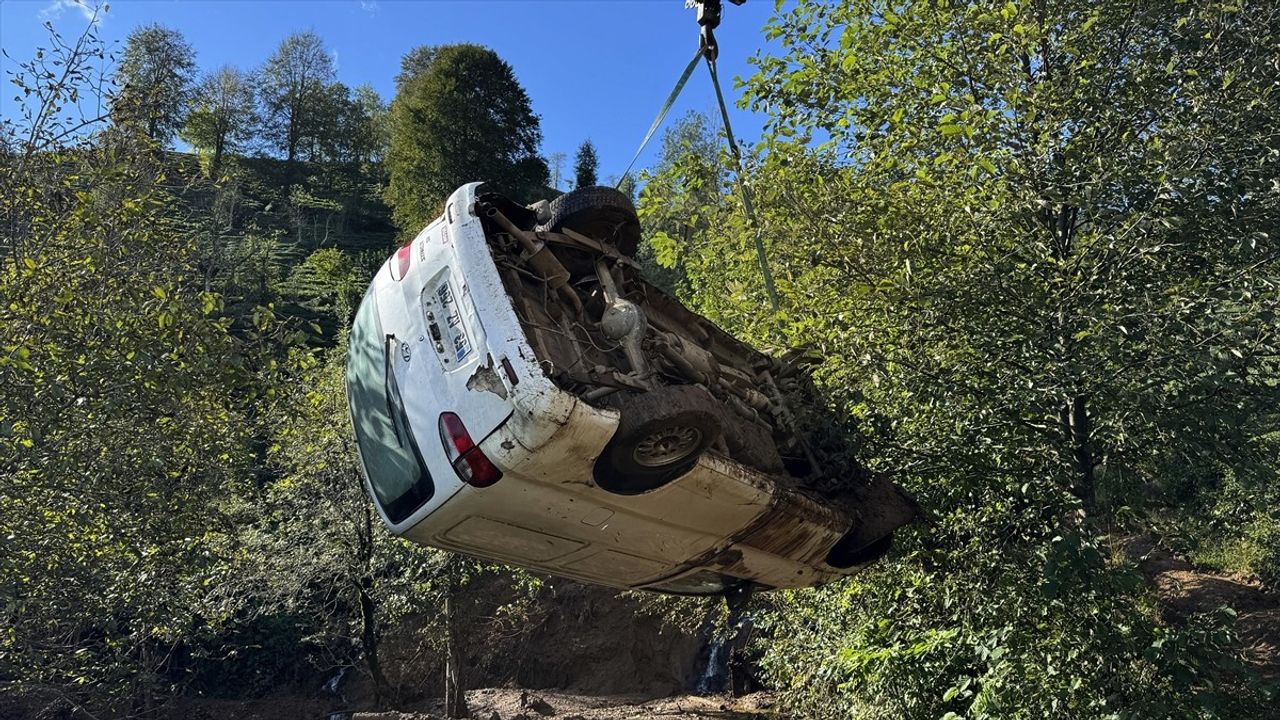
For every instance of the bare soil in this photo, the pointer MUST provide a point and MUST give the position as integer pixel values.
(1185, 590)
(497, 704)
(585, 651)
(515, 704)
(593, 656)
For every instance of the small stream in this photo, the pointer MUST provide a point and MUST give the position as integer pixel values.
(716, 672)
(720, 649)
(333, 686)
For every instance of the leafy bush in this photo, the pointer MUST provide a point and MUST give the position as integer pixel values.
(1006, 228)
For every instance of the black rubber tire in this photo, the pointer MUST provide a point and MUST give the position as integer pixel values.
(847, 554)
(644, 415)
(598, 212)
(751, 444)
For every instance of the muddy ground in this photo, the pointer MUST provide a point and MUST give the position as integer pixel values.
(503, 704)
(594, 656)
(1185, 589)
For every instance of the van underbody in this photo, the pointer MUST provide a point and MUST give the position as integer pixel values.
(603, 333)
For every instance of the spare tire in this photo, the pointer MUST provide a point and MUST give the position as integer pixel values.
(751, 444)
(852, 551)
(598, 212)
(660, 437)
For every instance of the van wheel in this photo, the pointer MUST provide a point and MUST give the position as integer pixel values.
(598, 212)
(751, 444)
(661, 435)
(851, 551)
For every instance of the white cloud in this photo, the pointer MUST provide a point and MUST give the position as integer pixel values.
(369, 6)
(91, 12)
(334, 54)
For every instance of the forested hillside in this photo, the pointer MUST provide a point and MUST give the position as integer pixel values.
(1030, 247)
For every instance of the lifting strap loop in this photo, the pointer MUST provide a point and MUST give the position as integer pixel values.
(747, 205)
(708, 50)
(671, 100)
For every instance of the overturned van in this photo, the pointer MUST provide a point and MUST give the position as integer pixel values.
(520, 393)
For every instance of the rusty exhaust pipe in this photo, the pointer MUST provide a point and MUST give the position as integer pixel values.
(540, 258)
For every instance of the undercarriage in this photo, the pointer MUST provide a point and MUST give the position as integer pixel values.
(600, 329)
(683, 385)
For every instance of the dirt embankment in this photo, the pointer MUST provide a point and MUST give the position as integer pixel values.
(504, 704)
(575, 638)
(510, 704)
(1185, 589)
(586, 651)
(589, 654)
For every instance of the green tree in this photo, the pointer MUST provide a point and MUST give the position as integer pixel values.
(121, 435)
(585, 164)
(367, 125)
(465, 118)
(155, 77)
(222, 115)
(415, 64)
(295, 89)
(331, 125)
(348, 126)
(1035, 244)
(683, 194)
(320, 551)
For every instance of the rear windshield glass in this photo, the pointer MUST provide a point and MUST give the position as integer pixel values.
(392, 462)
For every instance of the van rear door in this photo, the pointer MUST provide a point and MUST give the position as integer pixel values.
(443, 360)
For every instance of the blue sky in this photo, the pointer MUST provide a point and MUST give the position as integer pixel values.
(593, 68)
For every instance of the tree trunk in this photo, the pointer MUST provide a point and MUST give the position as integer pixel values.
(369, 610)
(369, 642)
(1080, 432)
(291, 142)
(217, 158)
(740, 627)
(455, 699)
(1076, 424)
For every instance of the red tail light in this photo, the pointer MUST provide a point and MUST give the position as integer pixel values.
(401, 266)
(467, 460)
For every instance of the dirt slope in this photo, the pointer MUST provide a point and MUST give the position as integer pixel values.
(514, 704)
(1185, 589)
(495, 704)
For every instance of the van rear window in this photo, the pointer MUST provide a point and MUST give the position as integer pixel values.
(389, 453)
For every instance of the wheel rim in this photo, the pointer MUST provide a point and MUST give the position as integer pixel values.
(667, 445)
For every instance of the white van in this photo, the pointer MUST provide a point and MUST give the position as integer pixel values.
(520, 394)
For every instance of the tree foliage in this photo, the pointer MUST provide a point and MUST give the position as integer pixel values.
(465, 118)
(122, 427)
(691, 181)
(585, 164)
(1036, 244)
(222, 116)
(157, 70)
(415, 64)
(368, 126)
(294, 85)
